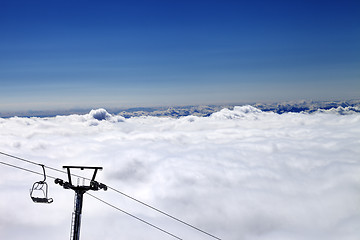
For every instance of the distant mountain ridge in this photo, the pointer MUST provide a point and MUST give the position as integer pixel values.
(280, 108)
(309, 106)
(342, 107)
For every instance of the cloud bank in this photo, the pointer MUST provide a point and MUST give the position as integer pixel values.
(239, 174)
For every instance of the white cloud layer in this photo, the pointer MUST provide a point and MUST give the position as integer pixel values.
(238, 174)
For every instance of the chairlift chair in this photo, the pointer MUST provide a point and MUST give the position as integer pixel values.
(39, 191)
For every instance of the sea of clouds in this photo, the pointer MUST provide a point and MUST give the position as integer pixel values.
(238, 174)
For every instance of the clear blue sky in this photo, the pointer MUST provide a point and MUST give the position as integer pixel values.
(61, 54)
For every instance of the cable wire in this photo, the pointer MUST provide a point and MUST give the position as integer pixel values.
(35, 163)
(25, 169)
(133, 216)
(164, 213)
(117, 191)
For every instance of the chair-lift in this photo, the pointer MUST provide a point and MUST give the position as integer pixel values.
(39, 190)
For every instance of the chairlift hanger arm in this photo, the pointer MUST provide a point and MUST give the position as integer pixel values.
(43, 168)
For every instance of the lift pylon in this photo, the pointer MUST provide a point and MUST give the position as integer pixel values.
(79, 192)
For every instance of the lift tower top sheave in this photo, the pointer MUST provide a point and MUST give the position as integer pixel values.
(79, 192)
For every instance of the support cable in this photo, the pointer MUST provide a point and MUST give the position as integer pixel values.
(25, 169)
(164, 213)
(133, 216)
(119, 192)
(35, 163)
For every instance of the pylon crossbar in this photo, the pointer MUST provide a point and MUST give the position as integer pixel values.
(81, 168)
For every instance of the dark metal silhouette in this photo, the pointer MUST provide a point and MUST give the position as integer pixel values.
(79, 192)
(39, 190)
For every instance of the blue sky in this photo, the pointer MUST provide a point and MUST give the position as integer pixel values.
(72, 54)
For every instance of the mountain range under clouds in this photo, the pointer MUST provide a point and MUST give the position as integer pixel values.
(179, 111)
